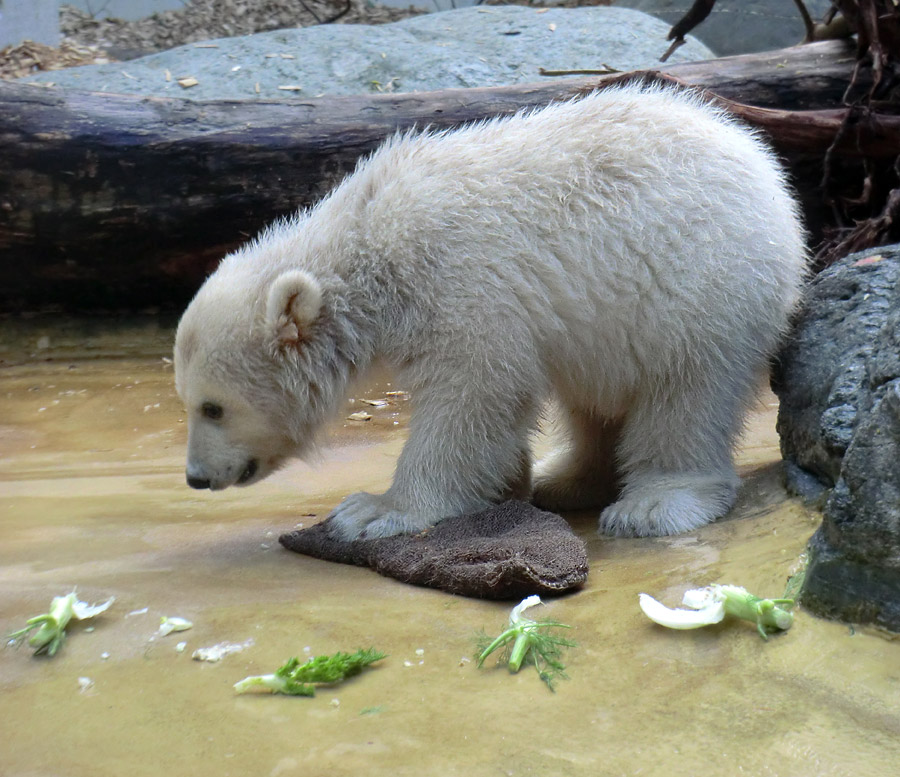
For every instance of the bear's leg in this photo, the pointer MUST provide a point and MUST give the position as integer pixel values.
(675, 459)
(581, 474)
(464, 452)
(519, 485)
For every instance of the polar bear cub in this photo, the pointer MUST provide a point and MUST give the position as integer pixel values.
(634, 254)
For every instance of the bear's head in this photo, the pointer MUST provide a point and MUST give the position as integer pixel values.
(252, 369)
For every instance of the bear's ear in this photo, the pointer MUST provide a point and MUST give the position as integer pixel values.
(295, 300)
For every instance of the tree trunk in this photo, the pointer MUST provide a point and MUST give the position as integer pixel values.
(120, 201)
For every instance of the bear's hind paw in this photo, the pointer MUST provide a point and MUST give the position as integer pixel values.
(668, 505)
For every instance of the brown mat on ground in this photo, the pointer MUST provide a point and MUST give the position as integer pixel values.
(508, 551)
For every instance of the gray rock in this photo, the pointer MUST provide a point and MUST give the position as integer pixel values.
(838, 379)
(823, 378)
(739, 26)
(489, 46)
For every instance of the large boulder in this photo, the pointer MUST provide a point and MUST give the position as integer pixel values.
(485, 46)
(838, 379)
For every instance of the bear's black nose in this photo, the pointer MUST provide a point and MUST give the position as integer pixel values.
(197, 482)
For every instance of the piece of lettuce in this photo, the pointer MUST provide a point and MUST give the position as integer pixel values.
(51, 626)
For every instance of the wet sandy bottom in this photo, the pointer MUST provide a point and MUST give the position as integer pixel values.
(92, 495)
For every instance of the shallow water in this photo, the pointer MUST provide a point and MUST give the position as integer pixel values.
(92, 495)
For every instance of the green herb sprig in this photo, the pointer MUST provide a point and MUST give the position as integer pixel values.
(527, 641)
(298, 678)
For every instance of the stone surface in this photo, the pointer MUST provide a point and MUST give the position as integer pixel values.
(485, 46)
(839, 383)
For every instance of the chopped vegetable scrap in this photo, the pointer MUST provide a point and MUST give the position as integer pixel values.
(529, 641)
(51, 626)
(298, 678)
(218, 652)
(711, 604)
(168, 625)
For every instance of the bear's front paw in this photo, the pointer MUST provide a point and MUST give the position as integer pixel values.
(365, 516)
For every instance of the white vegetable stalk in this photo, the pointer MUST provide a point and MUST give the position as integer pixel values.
(681, 619)
(516, 617)
(711, 604)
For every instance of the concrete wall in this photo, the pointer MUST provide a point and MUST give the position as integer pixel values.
(36, 20)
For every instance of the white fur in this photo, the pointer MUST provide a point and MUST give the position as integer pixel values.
(635, 254)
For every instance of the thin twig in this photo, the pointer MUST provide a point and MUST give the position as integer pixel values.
(877, 25)
(340, 13)
(310, 11)
(677, 43)
(604, 71)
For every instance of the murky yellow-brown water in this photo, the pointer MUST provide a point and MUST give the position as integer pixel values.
(92, 495)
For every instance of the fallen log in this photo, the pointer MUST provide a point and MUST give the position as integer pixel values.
(119, 201)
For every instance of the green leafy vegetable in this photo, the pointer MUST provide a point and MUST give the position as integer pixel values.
(527, 641)
(299, 679)
(796, 578)
(51, 626)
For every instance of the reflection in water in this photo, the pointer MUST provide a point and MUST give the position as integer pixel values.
(92, 495)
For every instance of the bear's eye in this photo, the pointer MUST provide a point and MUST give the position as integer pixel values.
(212, 411)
